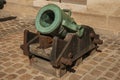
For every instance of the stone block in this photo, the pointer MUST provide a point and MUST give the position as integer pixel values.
(93, 20)
(104, 31)
(113, 24)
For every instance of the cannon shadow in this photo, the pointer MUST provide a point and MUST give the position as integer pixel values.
(7, 18)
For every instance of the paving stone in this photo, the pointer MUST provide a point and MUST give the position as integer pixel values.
(106, 64)
(88, 77)
(111, 60)
(81, 71)
(114, 69)
(103, 54)
(104, 45)
(98, 59)
(109, 41)
(119, 74)
(118, 78)
(87, 67)
(9, 70)
(7, 64)
(96, 73)
(107, 51)
(11, 76)
(55, 79)
(2, 74)
(92, 62)
(74, 77)
(26, 77)
(1, 67)
(18, 65)
(118, 51)
(39, 78)
(112, 47)
(46, 74)
(21, 71)
(114, 56)
(26, 60)
(14, 55)
(103, 78)
(5, 59)
(4, 54)
(35, 72)
(101, 68)
(15, 60)
(109, 74)
(117, 65)
(28, 67)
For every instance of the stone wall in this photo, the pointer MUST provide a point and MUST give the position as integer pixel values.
(25, 2)
(111, 11)
(107, 7)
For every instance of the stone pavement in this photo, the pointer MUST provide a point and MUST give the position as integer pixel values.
(14, 65)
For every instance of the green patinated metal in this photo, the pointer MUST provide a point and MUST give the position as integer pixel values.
(55, 21)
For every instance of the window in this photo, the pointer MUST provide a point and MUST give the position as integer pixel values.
(82, 2)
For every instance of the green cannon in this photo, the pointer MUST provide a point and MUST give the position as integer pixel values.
(59, 40)
(57, 22)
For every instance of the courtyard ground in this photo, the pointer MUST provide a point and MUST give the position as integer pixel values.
(14, 65)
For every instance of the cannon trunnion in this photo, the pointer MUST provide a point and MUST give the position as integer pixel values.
(59, 40)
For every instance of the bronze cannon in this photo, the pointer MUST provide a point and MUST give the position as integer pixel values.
(59, 40)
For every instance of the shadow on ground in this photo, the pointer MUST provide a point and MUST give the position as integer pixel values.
(7, 18)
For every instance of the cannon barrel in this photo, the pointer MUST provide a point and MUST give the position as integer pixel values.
(51, 20)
